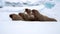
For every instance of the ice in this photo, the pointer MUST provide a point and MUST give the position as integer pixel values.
(7, 26)
(23, 3)
(49, 5)
(1, 3)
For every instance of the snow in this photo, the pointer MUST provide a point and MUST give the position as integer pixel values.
(7, 26)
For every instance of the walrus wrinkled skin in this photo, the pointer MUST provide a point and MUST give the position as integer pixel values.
(15, 17)
(39, 17)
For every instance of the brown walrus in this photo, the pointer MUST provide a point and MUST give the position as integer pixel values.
(40, 17)
(15, 17)
(29, 13)
(24, 16)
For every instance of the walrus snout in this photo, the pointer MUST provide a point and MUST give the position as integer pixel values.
(11, 16)
(26, 9)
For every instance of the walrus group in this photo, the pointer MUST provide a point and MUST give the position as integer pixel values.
(30, 15)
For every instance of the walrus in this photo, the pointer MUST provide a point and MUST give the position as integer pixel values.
(15, 17)
(39, 17)
(24, 16)
(29, 13)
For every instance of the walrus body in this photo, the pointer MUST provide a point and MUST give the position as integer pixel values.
(40, 17)
(15, 17)
(37, 15)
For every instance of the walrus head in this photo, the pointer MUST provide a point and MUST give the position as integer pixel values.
(28, 11)
(24, 16)
(35, 11)
(11, 15)
(21, 14)
(15, 17)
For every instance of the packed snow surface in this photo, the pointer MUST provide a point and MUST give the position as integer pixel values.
(7, 26)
